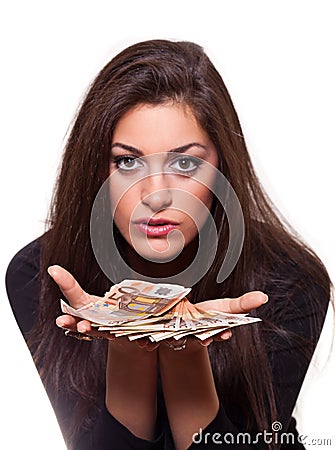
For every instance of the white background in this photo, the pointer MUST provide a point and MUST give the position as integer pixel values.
(277, 59)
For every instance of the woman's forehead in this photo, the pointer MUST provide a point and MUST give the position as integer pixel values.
(159, 128)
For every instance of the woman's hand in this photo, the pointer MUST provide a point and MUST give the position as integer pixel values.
(239, 305)
(78, 298)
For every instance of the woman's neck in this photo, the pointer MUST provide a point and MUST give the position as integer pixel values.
(162, 270)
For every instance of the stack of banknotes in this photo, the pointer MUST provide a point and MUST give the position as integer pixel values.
(157, 311)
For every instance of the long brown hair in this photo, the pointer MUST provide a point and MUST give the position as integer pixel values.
(153, 72)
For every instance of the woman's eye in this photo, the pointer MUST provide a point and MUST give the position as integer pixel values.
(186, 164)
(127, 163)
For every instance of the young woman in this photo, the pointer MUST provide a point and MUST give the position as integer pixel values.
(158, 128)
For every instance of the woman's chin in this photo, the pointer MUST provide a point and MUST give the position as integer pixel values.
(158, 250)
(161, 249)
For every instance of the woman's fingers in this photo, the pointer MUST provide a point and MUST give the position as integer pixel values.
(247, 302)
(76, 296)
(243, 304)
(81, 326)
(68, 322)
(73, 323)
(224, 336)
(84, 326)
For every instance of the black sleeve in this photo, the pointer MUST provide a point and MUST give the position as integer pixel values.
(23, 286)
(109, 434)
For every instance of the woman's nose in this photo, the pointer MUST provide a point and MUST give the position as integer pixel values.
(156, 193)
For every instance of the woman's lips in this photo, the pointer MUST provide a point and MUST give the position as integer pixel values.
(155, 227)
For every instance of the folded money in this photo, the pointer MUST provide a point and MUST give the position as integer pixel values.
(157, 311)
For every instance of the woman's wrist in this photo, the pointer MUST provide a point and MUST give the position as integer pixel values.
(130, 349)
(131, 386)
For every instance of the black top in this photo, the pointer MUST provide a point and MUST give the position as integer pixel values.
(288, 368)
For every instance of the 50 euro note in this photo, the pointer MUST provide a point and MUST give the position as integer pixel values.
(140, 309)
(205, 326)
(130, 300)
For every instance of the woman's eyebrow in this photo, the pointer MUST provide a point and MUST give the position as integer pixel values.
(129, 148)
(186, 147)
(180, 149)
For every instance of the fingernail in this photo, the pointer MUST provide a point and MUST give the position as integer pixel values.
(81, 328)
(60, 322)
(226, 336)
(266, 299)
(206, 342)
(52, 270)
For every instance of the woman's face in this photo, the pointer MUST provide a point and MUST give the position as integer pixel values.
(162, 170)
